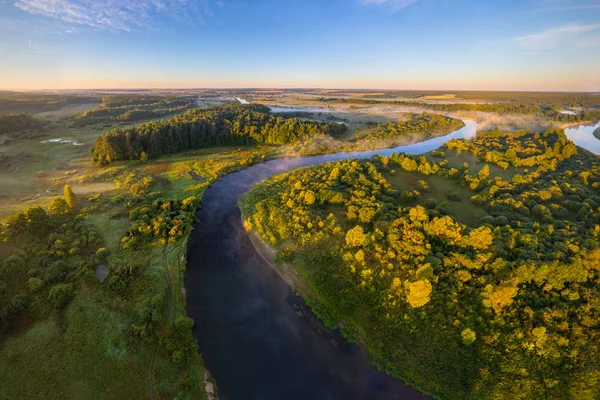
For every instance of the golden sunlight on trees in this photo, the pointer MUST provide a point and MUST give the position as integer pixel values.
(58, 206)
(355, 236)
(499, 297)
(516, 269)
(418, 293)
(69, 196)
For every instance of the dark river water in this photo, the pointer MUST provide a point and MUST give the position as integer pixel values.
(257, 338)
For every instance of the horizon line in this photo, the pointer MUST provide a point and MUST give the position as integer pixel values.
(295, 88)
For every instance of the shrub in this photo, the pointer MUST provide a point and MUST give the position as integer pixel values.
(422, 185)
(35, 284)
(61, 294)
(454, 196)
(430, 204)
(407, 196)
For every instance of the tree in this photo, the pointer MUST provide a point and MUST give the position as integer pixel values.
(418, 293)
(61, 294)
(58, 206)
(69, 196)
(468, 336)
(309, 197)
(144, 156)
(355, 237)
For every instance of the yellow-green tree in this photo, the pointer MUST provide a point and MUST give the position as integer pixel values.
(58, 206)
(69, 196)
(418, 293)
(355, 237)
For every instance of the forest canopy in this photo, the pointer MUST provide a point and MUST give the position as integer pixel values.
(503, 306)
(227, 124)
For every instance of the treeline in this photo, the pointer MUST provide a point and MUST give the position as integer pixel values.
(505, 308)
(14, 124)
(501, 108)
(549, 111)
(228, 124)
(586, 115)
(133, 108)
(421, 123)
(582, 99)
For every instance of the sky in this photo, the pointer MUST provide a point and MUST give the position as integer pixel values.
(374, 44)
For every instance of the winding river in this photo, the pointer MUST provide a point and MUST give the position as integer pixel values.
(258, 339)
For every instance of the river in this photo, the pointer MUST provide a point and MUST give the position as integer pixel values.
(257, 338)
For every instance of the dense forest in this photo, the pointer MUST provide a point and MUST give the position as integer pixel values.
(228, 124)
(133, 108)
(15, 124)
(416, 123)
(474, 280)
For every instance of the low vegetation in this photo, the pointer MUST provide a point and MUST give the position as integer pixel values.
(501, 306)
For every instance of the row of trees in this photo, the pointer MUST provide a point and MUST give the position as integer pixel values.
(227, 124)
(511, 301)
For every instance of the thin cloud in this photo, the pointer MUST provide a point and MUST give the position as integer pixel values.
(392, 5)
(118, 15)
(572, 35)
(566, 5)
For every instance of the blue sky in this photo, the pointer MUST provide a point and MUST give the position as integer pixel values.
(403, 44)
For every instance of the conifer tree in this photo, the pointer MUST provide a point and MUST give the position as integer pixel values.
(69, 196)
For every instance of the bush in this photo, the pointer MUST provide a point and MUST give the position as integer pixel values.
(422, 185)
(501, 220)
(35, 284)
(454, 196)
(61, 294)
(407, 196)
(430, 204)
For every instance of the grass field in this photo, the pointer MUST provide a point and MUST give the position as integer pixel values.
(464, 211)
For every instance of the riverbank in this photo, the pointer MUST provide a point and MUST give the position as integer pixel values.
(286, 272)
(597, 133)
(572, 124)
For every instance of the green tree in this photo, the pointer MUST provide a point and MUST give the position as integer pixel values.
(61, 294)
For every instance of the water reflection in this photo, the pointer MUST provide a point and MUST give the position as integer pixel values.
(583, 136)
